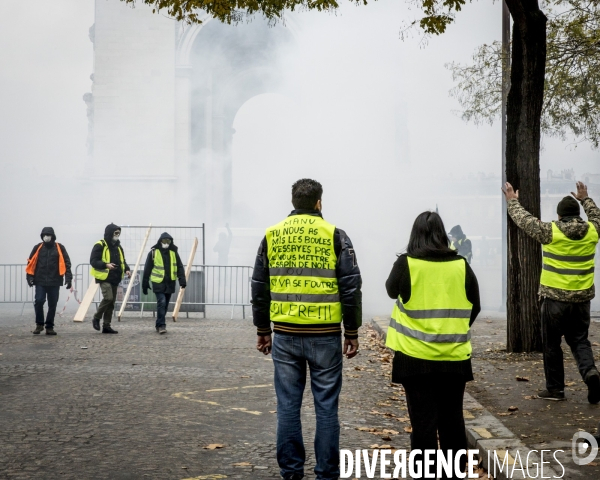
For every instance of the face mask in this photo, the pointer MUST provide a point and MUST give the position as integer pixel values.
(164, 245)
(116, 238)
(47, 238)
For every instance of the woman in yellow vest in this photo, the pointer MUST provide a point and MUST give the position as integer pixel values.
(163, 267)
(437, 300)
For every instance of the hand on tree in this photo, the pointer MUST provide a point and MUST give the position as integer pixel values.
(509, 192)
(582, 192)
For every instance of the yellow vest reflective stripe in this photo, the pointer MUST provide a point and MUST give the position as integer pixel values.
(103, 274)
(158, 271)
(434, 323)
(302, 260)
(569, 264)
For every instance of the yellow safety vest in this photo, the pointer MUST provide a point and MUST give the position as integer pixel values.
(303, 282)
(569, 264)
(158, 271)
(434, 323)
(103, 274)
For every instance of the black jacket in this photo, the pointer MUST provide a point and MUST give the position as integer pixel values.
(349, 286)
(398, 284)
(115, 275)
(46, 270)
(167, 285)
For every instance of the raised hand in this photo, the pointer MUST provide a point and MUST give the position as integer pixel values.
(509, 192)
(582, 192)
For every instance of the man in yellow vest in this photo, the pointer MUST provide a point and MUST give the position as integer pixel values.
(307, 282)
(566, 285)
(108, 268)
(163, 267)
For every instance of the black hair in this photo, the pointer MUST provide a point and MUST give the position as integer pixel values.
(428, 237)
(306, 193)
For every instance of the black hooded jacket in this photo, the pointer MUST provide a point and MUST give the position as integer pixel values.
(46, 270)
(115, 275)
(167, 285)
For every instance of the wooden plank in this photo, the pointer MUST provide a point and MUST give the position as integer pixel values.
(133, 274)
(88, 298)
(188, 269)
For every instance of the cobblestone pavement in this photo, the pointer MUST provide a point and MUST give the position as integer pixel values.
(143, 405)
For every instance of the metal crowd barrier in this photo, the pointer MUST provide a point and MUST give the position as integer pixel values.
(208, 285)
(14, 285)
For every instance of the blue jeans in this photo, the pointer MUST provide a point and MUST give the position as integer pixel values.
(323, 355)
(41, 293)
(162, 304)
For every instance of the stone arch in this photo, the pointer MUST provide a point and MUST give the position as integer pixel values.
(223, 66)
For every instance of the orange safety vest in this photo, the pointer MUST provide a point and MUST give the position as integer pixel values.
(32, 262)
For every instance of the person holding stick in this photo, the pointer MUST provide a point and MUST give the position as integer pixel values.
(108, 268)
(163, 267)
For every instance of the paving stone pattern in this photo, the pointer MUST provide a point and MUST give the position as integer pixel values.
(143, 405)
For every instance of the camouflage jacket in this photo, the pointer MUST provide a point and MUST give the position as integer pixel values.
(572, 227)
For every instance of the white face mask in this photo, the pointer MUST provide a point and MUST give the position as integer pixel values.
(164, 245)
(115, 238)
(47, 238)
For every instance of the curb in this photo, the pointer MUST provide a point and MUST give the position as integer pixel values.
(493, 440)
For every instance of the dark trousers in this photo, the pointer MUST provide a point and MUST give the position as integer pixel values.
(573, 321)
(107, 305)
(435, 406)
(41, 293)
(162, 304)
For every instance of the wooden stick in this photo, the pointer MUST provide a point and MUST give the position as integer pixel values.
(188, 269)
(86, 302)
(132, 278)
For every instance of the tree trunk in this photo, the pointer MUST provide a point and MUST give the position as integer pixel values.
(524, 108)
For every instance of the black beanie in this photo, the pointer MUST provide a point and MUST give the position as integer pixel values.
(568, 207)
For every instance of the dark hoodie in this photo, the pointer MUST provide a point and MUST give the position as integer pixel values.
(46, 270)
(167, 285)
(115, 275)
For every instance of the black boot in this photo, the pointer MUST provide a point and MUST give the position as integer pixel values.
(38, 329)
(592, 380)
(108, 330)
(162, 329)
(96, 323)
(50, 331)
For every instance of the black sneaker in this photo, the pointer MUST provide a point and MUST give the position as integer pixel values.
(38, 329)
(162, 329)
(50, 331)
(108, 330)
(592, 380)
(555, 395)
(96, 323)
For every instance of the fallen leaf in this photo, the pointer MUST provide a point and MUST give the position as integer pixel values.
(408, 429)
(391, 432)
(242, 464)
(595, 344)
(387, 438)
(512, 409)
(214, 446)
(272, 411)
(522, 379)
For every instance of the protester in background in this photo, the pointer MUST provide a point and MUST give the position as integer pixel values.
(437, 301)
(48, 263)
(163, 267)
(461, 243)
(223, 245)
(108, 268)
(307, 282)
(566, 285)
